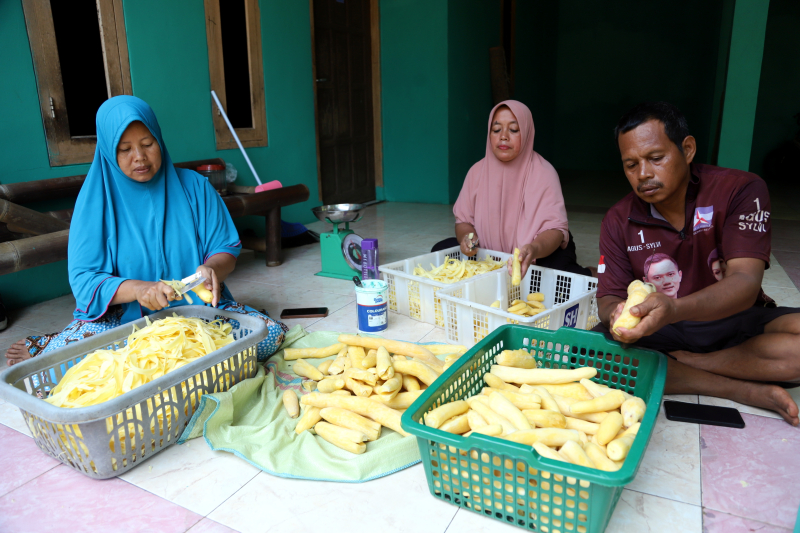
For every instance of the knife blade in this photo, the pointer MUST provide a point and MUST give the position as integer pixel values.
(191, 282)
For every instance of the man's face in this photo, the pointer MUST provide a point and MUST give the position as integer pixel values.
(653, 164)
(666, 277)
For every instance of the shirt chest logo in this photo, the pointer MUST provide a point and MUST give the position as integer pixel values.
(703, 216)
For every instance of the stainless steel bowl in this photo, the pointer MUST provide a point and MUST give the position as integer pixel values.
(338, 212)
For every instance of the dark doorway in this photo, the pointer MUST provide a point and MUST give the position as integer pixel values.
(342, 57)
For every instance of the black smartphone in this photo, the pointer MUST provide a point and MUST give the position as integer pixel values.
(695, 413)
(305, 312)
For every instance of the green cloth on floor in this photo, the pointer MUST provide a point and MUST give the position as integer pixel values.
(249, 421)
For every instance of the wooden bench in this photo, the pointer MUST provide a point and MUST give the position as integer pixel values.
(29, 238)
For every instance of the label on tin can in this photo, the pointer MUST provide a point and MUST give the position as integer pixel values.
(371, 305)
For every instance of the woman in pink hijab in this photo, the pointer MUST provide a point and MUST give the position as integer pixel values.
(512, 198)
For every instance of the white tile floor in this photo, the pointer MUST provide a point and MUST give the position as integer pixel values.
(665, 496)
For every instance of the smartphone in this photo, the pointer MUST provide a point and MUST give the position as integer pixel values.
(305, 312)
(711, 415)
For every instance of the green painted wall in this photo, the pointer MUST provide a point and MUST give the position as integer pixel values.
(741, 87)
(436, 94)
(780, 84)
(473, 26)
(169, 69)
(414, 100)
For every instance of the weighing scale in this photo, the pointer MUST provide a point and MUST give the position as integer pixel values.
(341, 249)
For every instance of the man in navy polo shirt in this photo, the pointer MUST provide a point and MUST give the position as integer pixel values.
(726, 338)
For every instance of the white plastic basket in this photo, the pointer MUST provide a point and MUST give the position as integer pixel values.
(415, 296)
(570, 300)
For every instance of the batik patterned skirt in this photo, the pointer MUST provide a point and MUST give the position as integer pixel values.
(78, 330)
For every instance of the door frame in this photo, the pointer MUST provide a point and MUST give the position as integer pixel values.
(375, 52)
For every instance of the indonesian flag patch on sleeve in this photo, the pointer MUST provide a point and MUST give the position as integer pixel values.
(601, 266)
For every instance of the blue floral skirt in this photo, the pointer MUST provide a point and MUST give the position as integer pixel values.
(79, 330)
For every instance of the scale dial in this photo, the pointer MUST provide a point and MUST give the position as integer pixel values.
(351, 249)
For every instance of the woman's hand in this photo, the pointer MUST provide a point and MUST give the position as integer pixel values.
(526, 258)
(212, 283)
(467, 244)
(154, 295)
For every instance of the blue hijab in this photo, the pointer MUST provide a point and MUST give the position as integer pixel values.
(123, 229)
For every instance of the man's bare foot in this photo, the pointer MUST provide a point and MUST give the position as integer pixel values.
(769, 397)
(17, 353)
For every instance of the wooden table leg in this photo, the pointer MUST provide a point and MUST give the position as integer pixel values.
(273, 222)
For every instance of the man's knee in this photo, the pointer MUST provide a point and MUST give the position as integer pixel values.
(785, 324)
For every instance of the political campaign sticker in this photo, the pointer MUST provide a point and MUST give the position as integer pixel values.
(703, 216)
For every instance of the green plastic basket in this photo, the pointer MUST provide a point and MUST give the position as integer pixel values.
(511, 482)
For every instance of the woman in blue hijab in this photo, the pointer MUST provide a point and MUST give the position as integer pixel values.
(138, 220)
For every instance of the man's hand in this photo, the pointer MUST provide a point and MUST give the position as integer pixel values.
(656, 311)
(467, 243)
(154, 295)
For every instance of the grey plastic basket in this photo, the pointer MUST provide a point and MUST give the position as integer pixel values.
(108, 439)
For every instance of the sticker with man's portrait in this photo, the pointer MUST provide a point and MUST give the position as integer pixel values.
(664, 273)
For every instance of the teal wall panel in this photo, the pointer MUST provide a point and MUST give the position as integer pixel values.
(741, 88)
(779, 85)
(473, 27)
(414, 100)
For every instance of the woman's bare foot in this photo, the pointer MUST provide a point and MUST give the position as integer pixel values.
(17, 353)
(769, 397)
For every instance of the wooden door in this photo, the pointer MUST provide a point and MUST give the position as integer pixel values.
(342, 60)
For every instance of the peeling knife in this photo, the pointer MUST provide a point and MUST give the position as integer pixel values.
(191, 282)
(474, 243)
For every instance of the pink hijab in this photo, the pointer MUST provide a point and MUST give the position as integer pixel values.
(511, 203)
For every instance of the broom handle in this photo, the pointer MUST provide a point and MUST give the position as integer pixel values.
(236, 137)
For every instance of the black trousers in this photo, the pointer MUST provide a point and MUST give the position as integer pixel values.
(562, 259)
